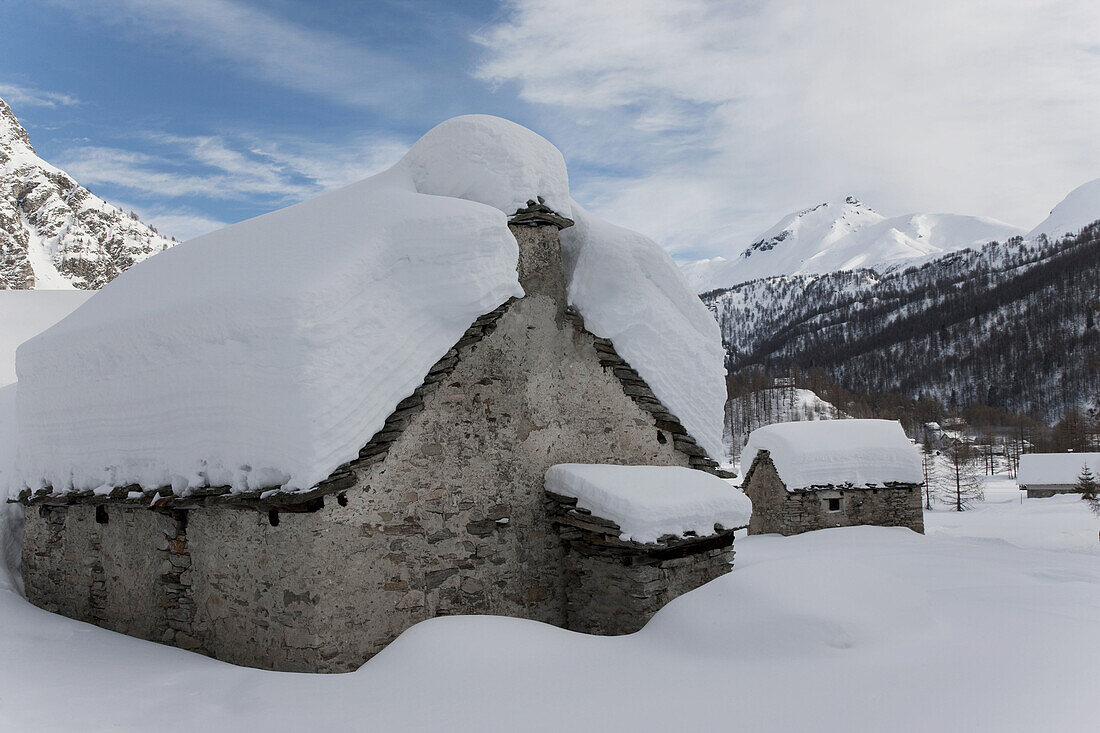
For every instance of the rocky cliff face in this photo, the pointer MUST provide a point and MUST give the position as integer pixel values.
(54, 234)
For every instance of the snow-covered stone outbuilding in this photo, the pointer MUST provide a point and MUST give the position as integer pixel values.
(809, 475)
(1045, 474)
(285, 442)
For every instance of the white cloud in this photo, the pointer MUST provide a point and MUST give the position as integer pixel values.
(330, 165)
(15, 94)
(232, 168)
(728, 115)
(182, 223)
(262, 45)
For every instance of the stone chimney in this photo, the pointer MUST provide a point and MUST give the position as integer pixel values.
(536, 228)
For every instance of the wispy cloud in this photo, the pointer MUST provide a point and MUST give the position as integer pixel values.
(259, 44)
(226, 168)
(183, 224)
(723, 116)
(26, 96)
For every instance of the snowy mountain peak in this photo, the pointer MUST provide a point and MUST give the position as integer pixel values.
(824, 223)
(844, 234)
(12, 134)
(1077, 210)
(54, 234)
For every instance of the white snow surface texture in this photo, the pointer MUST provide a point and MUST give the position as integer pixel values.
(27, 313)
(1055, 468)
(649, 502)
(834, 452)
(269, 352)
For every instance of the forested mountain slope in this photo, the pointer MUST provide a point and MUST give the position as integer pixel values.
(1009, 325)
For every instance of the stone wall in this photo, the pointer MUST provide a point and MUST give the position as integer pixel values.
(1049, 490)
(614, 586)
(442, 515)
(118, 567)
(776, 510)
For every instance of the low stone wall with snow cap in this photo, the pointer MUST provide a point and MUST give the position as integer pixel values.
(651, 502)
(614, 580)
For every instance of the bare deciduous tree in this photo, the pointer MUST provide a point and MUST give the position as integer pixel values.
(965, 482)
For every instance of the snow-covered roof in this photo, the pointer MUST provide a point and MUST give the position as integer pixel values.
(269, 352)
(1037, 469)
(27, 313)
(649, 502)
(837, 452)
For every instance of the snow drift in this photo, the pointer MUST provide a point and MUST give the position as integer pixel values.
(269, 352)
(834, 452)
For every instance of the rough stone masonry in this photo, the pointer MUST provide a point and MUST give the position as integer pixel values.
(775, 509)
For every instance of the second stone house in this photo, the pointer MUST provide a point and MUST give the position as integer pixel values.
(809, 475)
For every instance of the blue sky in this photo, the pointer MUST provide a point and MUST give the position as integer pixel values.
(698, 122)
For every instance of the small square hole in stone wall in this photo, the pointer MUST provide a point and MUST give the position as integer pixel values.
(833, 504)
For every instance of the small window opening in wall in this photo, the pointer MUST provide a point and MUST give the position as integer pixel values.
(661, 438)
(273, 517)
(834, 505)
(101, 514)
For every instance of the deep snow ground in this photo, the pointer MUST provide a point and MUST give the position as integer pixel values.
(991, 622)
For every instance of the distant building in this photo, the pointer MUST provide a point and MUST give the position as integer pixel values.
(803, 476)
(1047, 474)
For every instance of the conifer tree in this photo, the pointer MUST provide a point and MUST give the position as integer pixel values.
(1086, 484)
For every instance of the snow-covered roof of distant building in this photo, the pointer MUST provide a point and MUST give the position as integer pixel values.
(1037, 469)
(836, 452)
(269, 352)
(650, 502)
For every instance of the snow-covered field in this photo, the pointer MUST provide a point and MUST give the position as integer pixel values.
(991, 622)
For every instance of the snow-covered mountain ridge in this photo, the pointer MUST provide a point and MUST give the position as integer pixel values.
(1076, 211)
(996, 325)
(54, 233)
(843, 235)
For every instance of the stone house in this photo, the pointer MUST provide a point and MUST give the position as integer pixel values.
(803, 476)
(1045, 474)
(443, 512)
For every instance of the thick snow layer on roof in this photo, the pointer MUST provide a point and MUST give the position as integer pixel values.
(629, 290)
(1055, 468)
(489, 160)
(26, 313)
(269, 352)
(648, 502)
(835, 452)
